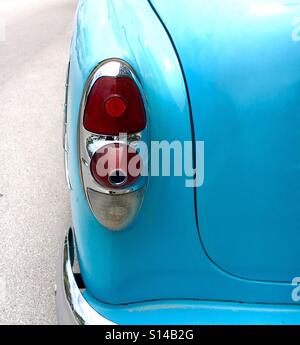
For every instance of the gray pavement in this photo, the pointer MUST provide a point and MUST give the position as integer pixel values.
(34, 202)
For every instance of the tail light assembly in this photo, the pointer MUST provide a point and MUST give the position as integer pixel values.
(112, 123)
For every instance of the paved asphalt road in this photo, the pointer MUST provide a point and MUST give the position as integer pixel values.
(34, 203)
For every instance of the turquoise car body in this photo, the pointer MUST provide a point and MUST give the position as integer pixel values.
(226, 73)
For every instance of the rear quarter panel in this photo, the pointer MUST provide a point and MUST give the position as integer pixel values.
(160, 255)
(141, 262)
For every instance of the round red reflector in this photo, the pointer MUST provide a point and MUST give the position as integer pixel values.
(114, 166)
(115, 106)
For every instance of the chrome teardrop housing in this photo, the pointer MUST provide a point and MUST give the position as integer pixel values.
(90, 143)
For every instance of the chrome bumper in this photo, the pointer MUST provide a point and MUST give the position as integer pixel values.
(72, 308)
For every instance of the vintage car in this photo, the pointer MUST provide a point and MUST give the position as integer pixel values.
(148, 248)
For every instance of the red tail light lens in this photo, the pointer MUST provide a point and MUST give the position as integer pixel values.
(114, 106)
(115, 166)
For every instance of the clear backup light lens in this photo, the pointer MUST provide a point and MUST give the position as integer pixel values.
(115, 212)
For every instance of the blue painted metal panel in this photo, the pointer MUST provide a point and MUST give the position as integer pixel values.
(243, 73)
(160, 256)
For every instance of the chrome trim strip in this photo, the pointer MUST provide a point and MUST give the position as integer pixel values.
(83, 313)
(67, 169)
(65, 119)
(65, 136)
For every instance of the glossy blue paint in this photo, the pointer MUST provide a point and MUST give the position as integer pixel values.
(243, 74)
(161, 256)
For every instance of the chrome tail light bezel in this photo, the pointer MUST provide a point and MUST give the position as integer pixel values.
(89, 143)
